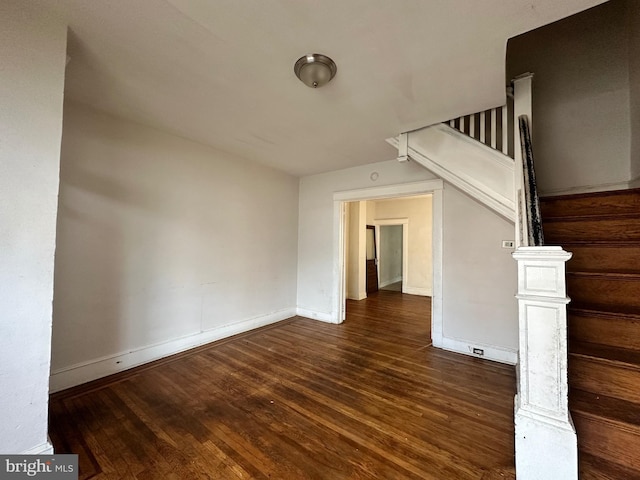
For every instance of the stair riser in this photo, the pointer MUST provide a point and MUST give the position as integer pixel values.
(602, 204)
(596, 230)
(607, 441)
(603, 233)
(599, 377)
(604, 258)
(620, 291)
(615, 332)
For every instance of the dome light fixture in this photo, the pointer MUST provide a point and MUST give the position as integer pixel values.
(315, 70)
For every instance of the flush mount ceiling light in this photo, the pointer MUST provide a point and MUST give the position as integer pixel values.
(315, 70)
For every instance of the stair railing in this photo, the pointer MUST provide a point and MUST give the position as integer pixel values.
(492, 127)
(546, 441)
(531, 208)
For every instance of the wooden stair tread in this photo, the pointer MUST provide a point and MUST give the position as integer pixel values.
(605, 311)
(596, 203)
(626, 274)
(624, 358)
(611, 256)
(601, 244)
(614, 288)
(588, 229)
(565, 244)
(622, 412)
(593, 195)
(597, 468)
(591, 217)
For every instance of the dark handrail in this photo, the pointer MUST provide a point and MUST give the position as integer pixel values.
(532, 202)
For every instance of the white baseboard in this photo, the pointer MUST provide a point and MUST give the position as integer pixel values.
(45, 448)
(634, 183)
(491, 352)
(357, 298)
(315, 315)
(425, 292)
(589, 189)
(101, 367)
(390, 282)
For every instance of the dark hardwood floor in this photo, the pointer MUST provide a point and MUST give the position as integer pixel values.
(299, 400)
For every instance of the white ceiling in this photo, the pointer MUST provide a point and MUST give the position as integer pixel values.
(221, 71)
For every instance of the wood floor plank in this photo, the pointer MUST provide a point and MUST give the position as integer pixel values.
(365, 416)
(301, 399)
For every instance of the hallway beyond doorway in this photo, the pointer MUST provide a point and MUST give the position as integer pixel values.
(393, 287)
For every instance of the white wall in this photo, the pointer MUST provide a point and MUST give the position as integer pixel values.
(356, 251)
(418, 212)
(581, 113)
(32, 61)
(633, 18)
(162, 244)
(479, 276)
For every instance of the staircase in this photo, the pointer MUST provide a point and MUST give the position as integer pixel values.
(484, 156)
(481, 171)
(602, 230)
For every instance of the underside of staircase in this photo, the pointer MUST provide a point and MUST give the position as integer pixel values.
(602, 230)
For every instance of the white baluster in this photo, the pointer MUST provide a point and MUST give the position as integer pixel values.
(493, 128)
(452, 123)
(472, 126)
(462, 124)
(505, 131)
(482, 127)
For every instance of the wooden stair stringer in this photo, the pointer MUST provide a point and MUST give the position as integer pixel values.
(481, 172)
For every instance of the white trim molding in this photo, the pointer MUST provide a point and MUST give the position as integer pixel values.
(389, 191)
(605, 187)
(437, 243)
(634, 182)
(480, 171)
(45, 448)
(391, 282)
(489, 352)
(422, 291)
(101, 367)
(315, 315)
(404, 222)
(433, 187)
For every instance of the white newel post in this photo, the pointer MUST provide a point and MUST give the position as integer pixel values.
(546, 442)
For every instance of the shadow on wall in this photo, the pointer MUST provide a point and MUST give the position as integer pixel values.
(582, 66)
(162, 239)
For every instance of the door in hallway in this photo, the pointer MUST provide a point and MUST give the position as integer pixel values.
(372, 260)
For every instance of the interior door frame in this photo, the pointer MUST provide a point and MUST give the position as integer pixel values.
(340, 199)
(405, 244)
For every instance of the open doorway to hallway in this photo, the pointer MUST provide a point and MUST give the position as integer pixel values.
(390, 258)
(394, 236)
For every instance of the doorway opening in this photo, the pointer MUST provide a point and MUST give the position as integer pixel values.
(390, 259)
(389, 242)
(371, 262)
(396, 238)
